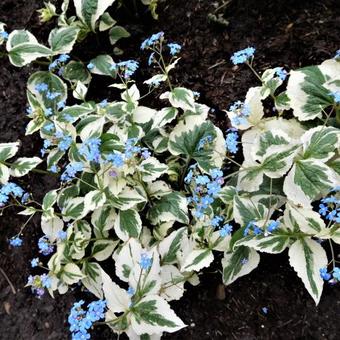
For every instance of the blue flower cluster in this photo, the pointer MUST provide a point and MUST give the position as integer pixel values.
(242, 56)
(231, 140)
(203, 142)
(127, 68)
(242, 112)
(71, 171)
(252, 228)
(64, 142)
(38, 283)
(205, 189)
(57, 62)
(4, 35)
(330, 207)
(81, 320)
(281, 73)
(336, 96)
(10, 189)
(44, 245)
(226, 228)
(174, 48)
(15, 242)
(90, 149)
(35, 262)
(145, 261)
(328, 276)
(337, 54)
(155, 38)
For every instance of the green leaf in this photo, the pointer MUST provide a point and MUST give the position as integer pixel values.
(71, 274)
(8, 150)
(185, 140)
(92, 280)
(24, 165)
(116, 33)
(153, 315)
(239, 263)
(272, 244)
(320, 142)
(308, 180)
(183, 98)
(308, 97)
(76, 71)
(49, 199)
(307, 257)
(128, 224)
(75, 209)
(103, 219)
(25, 53)
(127, 199)
(170, 207)
(197, 259)
(4, 174)
(170, 246)
(103, 249)
(55, 84)
(151, 169)
(89, 11)
(94, 199)
(247, 210)
(102, 65)
(106, 22)
(62, 39)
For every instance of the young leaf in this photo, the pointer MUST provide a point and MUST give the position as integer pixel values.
(116, 33)
(307, 257)
(8, 150)
(24, 165)
(71, 274)
(128, 224)
(153, 315)
(62, 39)
(239, 263)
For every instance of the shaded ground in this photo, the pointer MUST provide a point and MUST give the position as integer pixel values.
(285, 33)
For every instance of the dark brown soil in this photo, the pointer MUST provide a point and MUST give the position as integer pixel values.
(285, 33)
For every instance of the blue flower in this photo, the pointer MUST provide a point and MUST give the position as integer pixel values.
(151, 58)
(71, 171)
(103, 103)
(145, 261)
(264, 310)
(53, 65)
(52, 95)
(131, 291)
(202, 179)
(242, 112)
(244, 261)
(128, 67)
(146, 154)
(174, 48)
(63, 57)
(64, 143)
(41, 87)
(62, 235)
(273, 225)
(324, 275)
(90, 149)
(226, 230)
(53, 168)
(204, 141)
(231, 141)
(337, 54)
(323, 209)
(336, 273)
(281, 73)
(336, 96)
(61, 105)
(35, 262)
(155, 38)
(116, 159)
(216, 221)
(15, 242)
(44, 245)
(242, 56)
(48, 112)
(4, 35)
(90, 66)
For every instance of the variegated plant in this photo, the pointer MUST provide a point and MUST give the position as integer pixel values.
(155, 193)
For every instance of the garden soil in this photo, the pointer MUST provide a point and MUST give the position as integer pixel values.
(286, 33)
